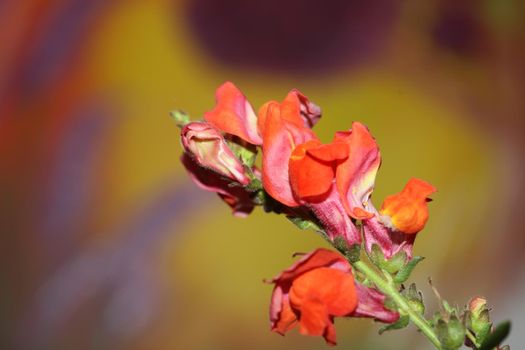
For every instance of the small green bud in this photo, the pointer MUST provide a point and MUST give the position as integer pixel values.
(478, 318)
(415, 299)
(451, 334)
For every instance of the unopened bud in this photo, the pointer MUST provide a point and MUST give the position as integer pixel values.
(206, 145)
(478, 318)
(451, 334)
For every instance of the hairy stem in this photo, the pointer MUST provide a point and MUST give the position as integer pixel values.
(391, 291)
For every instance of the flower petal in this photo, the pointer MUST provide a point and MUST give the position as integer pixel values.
(389, 241)
(334, 220)
(372, 304)
(318, 258)
(407, 211)
(320, 294)
(280, 138)
(310, 178)
(233, 114)
(355, 177)
(297, 105)
(239, 199)
(282, 318)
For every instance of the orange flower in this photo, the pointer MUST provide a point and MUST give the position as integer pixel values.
(311, 292)
(317, 288)
(407, 211)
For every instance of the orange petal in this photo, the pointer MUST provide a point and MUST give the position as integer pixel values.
(333, 287)
(287, 319)
(407, 211)
(335, 151)
(319, 295)
(309, 177)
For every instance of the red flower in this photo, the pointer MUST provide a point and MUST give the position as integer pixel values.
(317, 288)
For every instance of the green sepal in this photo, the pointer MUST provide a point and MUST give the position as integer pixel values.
(483, 332)
(303, 224)
(181, 118)
(405, 271)
(401, 323)
(254, 185)
(496, 337)
(352, 253)
(393, 265)
(414, 298)
(246, 152)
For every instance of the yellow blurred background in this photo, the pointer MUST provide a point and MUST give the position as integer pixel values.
(106, 244)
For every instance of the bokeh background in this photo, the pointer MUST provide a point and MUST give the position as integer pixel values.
(106, 244)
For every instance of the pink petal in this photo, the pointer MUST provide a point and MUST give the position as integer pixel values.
(233, 114)
(372, 304)
(355, 177)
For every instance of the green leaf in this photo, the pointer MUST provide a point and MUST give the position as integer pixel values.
(406, 270)
(181, 118)
(402, 322)
(495, 338)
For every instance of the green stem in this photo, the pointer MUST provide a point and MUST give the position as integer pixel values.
(400, 301)
(472, 339)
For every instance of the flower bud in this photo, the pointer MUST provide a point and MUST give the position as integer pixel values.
(206, 145)
(451, 334)
(407, 211)
(478, 317)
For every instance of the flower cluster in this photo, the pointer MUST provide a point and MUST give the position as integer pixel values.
(328, 186)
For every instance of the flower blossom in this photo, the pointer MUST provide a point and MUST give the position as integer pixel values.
(317, 288)
(334, 182)
(393, 229)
